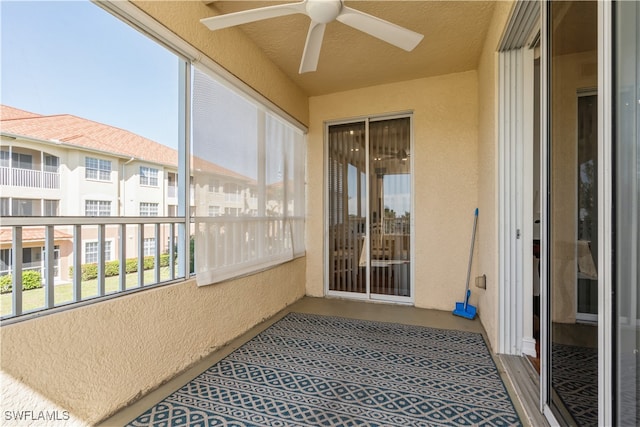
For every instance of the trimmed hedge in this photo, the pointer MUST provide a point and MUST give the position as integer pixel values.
(31, 279)
(112, 268)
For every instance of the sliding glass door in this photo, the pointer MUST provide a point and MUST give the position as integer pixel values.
(572, 217)
(627, 208)
(369, 208)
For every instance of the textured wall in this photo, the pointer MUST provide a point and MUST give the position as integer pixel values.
(445, 162)
(232, 50)
(93, 360)
(487, 238)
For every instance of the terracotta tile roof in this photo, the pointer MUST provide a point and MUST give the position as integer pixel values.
(10, 113)
(88, 134)
(73, 130)
(32, 234)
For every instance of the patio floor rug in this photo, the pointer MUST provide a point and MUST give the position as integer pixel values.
(310, 370)
(575, 379)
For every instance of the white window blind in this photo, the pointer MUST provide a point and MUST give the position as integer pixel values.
(258, 160)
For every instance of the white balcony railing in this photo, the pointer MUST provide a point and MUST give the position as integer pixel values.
(165, 262)
(231, 246)
(16, 177)
(172, 191)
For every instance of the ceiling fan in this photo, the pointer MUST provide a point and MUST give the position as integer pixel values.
(321, 13)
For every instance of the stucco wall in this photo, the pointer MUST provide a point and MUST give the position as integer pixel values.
(93, 360)
(445, 113)
(487, 238)
(232, 50)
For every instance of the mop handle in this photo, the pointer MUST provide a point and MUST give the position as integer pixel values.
(473, 239)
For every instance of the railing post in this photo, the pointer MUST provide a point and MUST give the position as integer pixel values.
(122, 253)
(140, 255)
(156, 262)
(77, 263)
(101, 260)
(16, 290)
(172, 265)
(49, 266)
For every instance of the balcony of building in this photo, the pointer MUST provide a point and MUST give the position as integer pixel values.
(25, 168)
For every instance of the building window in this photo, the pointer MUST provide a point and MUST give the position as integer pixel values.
(214, 210)
(5, 261)
(5, 206)
(214, 185)
(97, 169)
(50, 208)
(232, 193)
(91, 250)
(232, 211)
(97, 208)
(148, 209)
(148, 176)
(4, 158)
(25, 207)
(150, 246)
(172, 210)
(51, 163)
(22, 161)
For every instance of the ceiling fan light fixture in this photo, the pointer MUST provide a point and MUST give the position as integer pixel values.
(321, 13)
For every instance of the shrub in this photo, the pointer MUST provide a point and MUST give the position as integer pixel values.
(148, 262)
(164, 260)
(111, 268)
(5, 283)
(30, 280)
(131, 265)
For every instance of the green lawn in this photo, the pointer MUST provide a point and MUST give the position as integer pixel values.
(34, 298)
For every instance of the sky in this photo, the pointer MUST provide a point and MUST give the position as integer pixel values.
(72, 57)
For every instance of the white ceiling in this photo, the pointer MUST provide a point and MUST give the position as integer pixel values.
(454, 33)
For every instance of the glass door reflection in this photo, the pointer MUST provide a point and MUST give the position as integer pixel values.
(369, 208)
(390, 206)
(572, 330)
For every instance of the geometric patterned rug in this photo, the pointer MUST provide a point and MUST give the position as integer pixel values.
(310, 370)
(575, 380)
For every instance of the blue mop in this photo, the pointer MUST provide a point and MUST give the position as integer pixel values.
(464, 309)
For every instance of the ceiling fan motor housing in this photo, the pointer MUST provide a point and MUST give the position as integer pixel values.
(323, 11)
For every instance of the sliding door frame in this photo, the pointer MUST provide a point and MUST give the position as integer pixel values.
(606, 392)
(368, 296)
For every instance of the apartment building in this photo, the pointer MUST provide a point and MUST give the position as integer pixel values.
(63, 165)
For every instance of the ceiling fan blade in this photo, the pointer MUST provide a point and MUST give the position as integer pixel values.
(379, 28)
(312, 47)
(243, 17)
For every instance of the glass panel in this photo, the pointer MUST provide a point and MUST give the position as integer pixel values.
(572, 217)
(627, 198)
(248, 171)
(390, 206)
(587, 206)
(347, 212)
